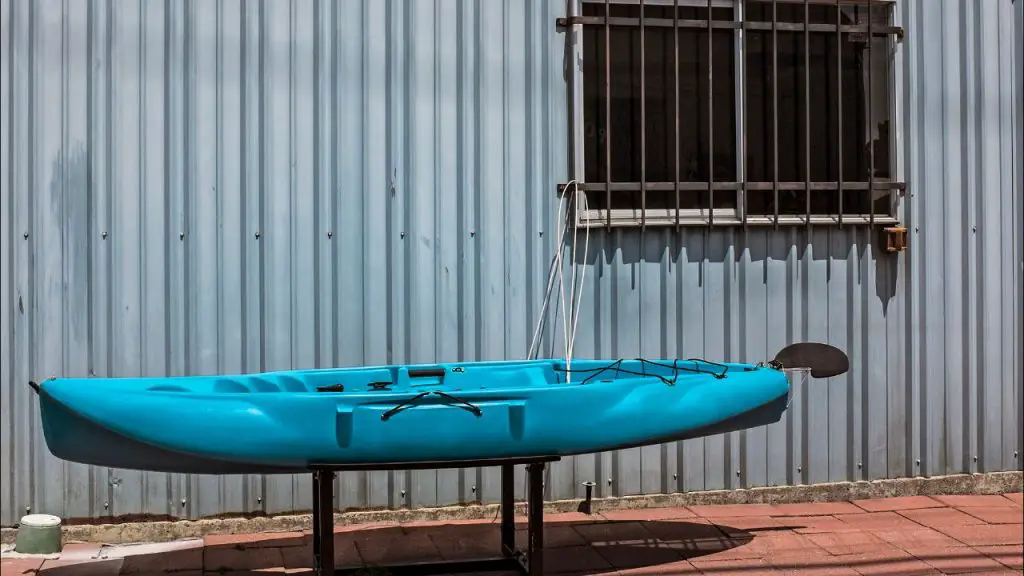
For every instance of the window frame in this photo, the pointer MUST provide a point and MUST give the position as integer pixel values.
(894, 186)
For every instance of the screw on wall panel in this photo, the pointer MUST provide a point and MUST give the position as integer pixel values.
(1014, 453)
(330, 235)
(738, 473)
(25, 235)
(860, 464)
(401, 234)
(799, 468)
(609, 481)
(917, 462)
(472, 233)
(28, 509)
(104, 235)
(106, 504)
(541, 232)
(675, 476)
(403, 493)
(473, 489)
(181, 235)
(183, 501)
(975, 458)
(257, 235)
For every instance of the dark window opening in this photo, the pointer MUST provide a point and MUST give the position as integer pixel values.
(827, 123)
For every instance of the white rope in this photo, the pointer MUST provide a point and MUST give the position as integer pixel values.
(583, 273)
(570, 314)
(556, 262)
(566, 311)
(542, 319)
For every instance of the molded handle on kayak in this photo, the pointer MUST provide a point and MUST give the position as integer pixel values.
(424, 372)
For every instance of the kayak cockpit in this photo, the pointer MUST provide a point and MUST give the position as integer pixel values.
(456, 376)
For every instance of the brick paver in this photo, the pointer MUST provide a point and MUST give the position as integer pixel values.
(905, 535)
(19, 566)
(898, 503)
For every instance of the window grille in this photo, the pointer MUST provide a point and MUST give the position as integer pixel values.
(783, 114)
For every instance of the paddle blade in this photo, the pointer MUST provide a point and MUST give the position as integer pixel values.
(824, 360)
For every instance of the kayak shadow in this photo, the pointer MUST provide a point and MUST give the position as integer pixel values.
(578, 545)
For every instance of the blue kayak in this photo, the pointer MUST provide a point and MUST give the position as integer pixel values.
(290, 421)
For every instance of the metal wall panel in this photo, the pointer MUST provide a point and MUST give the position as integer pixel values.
(199, 187)
(962, 292)
(1019, 211)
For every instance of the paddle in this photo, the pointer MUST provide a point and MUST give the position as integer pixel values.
(824, 360)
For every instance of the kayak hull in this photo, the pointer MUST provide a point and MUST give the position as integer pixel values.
(291, 421)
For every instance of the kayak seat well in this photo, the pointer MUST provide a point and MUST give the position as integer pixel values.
(168, 388)
(352, 380)
(288, 383)
(217, 385)
(502, 377)
(262, 385)
(370, 380)
(226, 385)
(277, 383)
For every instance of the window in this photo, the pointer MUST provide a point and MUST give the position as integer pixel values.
(776, 118)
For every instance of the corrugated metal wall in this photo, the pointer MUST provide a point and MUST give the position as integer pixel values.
(961, 291)
(198, 187)
(1019, 211)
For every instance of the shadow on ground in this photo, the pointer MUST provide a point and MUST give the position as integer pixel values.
(570, 547)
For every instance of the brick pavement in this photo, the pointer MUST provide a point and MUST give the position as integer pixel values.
(904, 536)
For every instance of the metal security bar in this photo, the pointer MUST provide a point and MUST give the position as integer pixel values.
(840, 193)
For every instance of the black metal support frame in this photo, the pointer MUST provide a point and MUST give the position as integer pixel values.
(530, 561)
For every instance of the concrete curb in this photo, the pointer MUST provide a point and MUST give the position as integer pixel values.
(133, 532)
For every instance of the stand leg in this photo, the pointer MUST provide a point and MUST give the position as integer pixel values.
(323, 523)
(530, 562)
(508, 511)
(535, 518)
(316, 522)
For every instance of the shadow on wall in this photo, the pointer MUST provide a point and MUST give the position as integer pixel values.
(69, 200)
(796, 257)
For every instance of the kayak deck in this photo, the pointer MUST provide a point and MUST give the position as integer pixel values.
(506, 376)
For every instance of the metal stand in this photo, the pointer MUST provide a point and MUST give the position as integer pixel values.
(530, 562)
